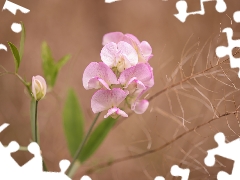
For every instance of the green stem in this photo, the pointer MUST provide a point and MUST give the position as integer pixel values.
(25, 83)
(36, 132)
(79, 150)
(35, 124)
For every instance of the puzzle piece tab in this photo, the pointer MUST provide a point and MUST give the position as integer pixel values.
(176, 171)
(236, 16)
(222, 51)
(33, 169)
(111, 1)
(227, 150)
(12, 7)
(182, 9)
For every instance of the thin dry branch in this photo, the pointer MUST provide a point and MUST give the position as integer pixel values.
(188, 78)
(123, 159)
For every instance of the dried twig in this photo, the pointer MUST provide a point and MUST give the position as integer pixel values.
(123, 159)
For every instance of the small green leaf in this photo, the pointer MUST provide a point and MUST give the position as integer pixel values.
(15, 55)
(73, 122)
(96, 138)
(22, 41)
(63, 61)
(50, 68)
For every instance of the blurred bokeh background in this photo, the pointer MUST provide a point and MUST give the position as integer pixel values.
(204, 87)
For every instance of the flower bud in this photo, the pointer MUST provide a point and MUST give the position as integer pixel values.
(39, 87)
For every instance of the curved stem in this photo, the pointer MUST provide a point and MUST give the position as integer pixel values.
(26, 84)
(79, 150)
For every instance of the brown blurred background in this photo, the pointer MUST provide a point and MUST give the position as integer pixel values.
(77, 27)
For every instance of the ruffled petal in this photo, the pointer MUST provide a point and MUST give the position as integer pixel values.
(112, 37)
(109, 53)
(128, 52)
(97, 83)
(142, 72)
(39, 87)
(134, 38)
(139, 107)
(145, 48)
(114, 112)
(134, 84)
(106, 99)
(98, 72)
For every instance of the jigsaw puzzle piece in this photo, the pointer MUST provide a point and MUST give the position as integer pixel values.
(34, 164)
(2, 46)
(64, 164)
(236, 16)
(4, 125)
(221, 6)
(182, 6)
(85, 178)
(222, 51)
(224, 149)
(223, 176)
(12, 7)
(7, 163)
(159, 178)
(227, 150)
(177, 171)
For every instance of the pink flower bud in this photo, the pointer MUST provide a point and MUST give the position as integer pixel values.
(39, 87)
(139, 107)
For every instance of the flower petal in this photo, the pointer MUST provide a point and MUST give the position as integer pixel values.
(133, 84)
(114, 112)
(134, 38)
(128, 52)
(142, 72)
(39, 87)
(112, 37)
(146, 49)
(98, 71)
(109, 53)
(106, 99)
(139, 107)
(97, 83)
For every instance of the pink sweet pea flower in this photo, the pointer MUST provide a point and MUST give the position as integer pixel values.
(143, 49)
(98, 75)
(138, 77)
(121, 55)
(39, 87)
(109, 100)
(137, 105)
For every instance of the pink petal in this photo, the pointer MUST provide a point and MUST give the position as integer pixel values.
(97, 83)
(114, 112)
(98, 71)
(112, 37)
(108, 54)
(128, 52)
(139, 107)
(134, 38)
(106, 99)
(142, 72)
(42, 84)
(145, 48)
(136, 84)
